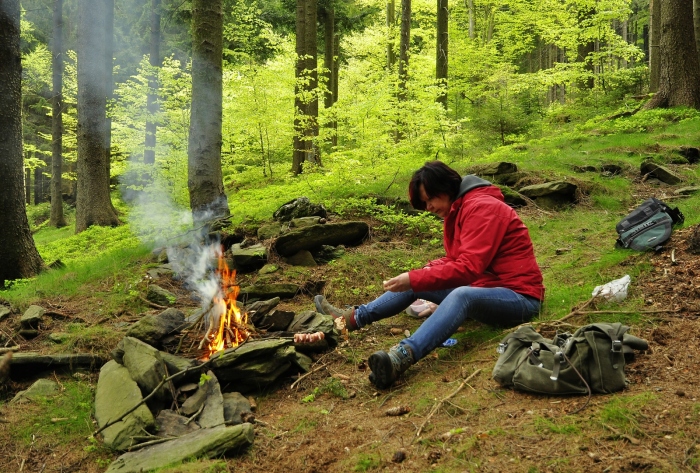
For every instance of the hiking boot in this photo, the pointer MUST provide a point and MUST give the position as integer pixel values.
(387, 366)
(325, 308)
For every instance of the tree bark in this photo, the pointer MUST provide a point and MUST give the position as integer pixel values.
(696, 24)
(109, 84)
(149, 152)
(205, 178)
(18, 255)
(441, 51)
(57, 218)
(93, 204)
(472, 28)
(330, 69)
(306, 100)
(404, 46)
(654, 40)
(390, 27)
(679, 81)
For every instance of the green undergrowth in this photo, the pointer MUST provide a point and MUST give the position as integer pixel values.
(65, 418)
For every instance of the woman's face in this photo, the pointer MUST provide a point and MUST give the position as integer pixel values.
(438, 205)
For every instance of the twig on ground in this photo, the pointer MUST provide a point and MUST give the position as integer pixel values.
(439, 404)
(152, 304)
(194, 416)
(318, 368)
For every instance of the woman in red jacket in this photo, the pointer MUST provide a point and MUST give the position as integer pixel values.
(489, 272)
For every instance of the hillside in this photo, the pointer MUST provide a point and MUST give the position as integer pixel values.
(333, 420)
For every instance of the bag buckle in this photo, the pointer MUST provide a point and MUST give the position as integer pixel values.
(501, 348)
(559, 355)
(533, 357)
(616, 346)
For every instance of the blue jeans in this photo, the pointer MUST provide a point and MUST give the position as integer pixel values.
(496, 306)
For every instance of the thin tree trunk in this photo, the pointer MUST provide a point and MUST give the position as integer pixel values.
(57, 218)
(300, 105)
(93, 205)
(306, 100)
(654, 41)
(18, 255)
(696, 25)
(109, 82)
(28, 186)
(441, 54)
(328, 43)
(679, 79)
(313, 154)
(404, 48)
(472, 28)
(149, 152)
(329, 59)
(390, 28)
(205, 178)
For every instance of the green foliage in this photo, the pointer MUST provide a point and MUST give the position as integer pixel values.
(330, 386)
(367, 462)
(558, 426)
(645, 121)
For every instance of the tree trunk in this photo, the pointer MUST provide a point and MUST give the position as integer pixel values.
(93, 205)
(404, 46)
(109, 84)
(57, 218)
(149, 152)
(330, 69)
(306, 100)
(390, 27)
(442, 47)
(328, 55)
(472, 28)
(18, 255)
(205, 179)
(679, 81)
(38, 186)
(696, 24)
(654, 40)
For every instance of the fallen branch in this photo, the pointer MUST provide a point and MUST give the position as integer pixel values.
(152, 304)
(6, 349)
(439, 404)
(145, 399)
(318, 368)
(576, 311)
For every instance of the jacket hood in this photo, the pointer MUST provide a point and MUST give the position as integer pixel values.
(470, 182)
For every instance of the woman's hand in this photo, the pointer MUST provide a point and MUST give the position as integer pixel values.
(398, 284)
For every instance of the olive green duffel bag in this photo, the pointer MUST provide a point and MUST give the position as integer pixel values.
(590, 360)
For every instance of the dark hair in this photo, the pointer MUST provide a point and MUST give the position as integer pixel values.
(437, 178)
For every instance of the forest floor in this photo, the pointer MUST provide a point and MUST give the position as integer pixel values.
(457, 418)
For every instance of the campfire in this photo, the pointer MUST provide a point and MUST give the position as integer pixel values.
(227, 323)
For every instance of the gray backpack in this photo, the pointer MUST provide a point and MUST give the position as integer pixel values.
(592, 359)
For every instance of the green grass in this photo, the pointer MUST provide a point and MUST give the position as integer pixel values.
(622, 413)
(65, 418)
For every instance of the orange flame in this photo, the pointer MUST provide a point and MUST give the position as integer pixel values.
(232, 321)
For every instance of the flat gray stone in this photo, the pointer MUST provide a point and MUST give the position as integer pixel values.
(117, 393)
(160, 296)
(41, 388)
(203, 443)
(309, 238)
(152, 329)
(32, 317)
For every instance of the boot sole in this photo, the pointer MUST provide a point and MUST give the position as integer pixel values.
(382, 375)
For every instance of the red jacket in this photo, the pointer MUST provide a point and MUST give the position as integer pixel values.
(486, 245)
